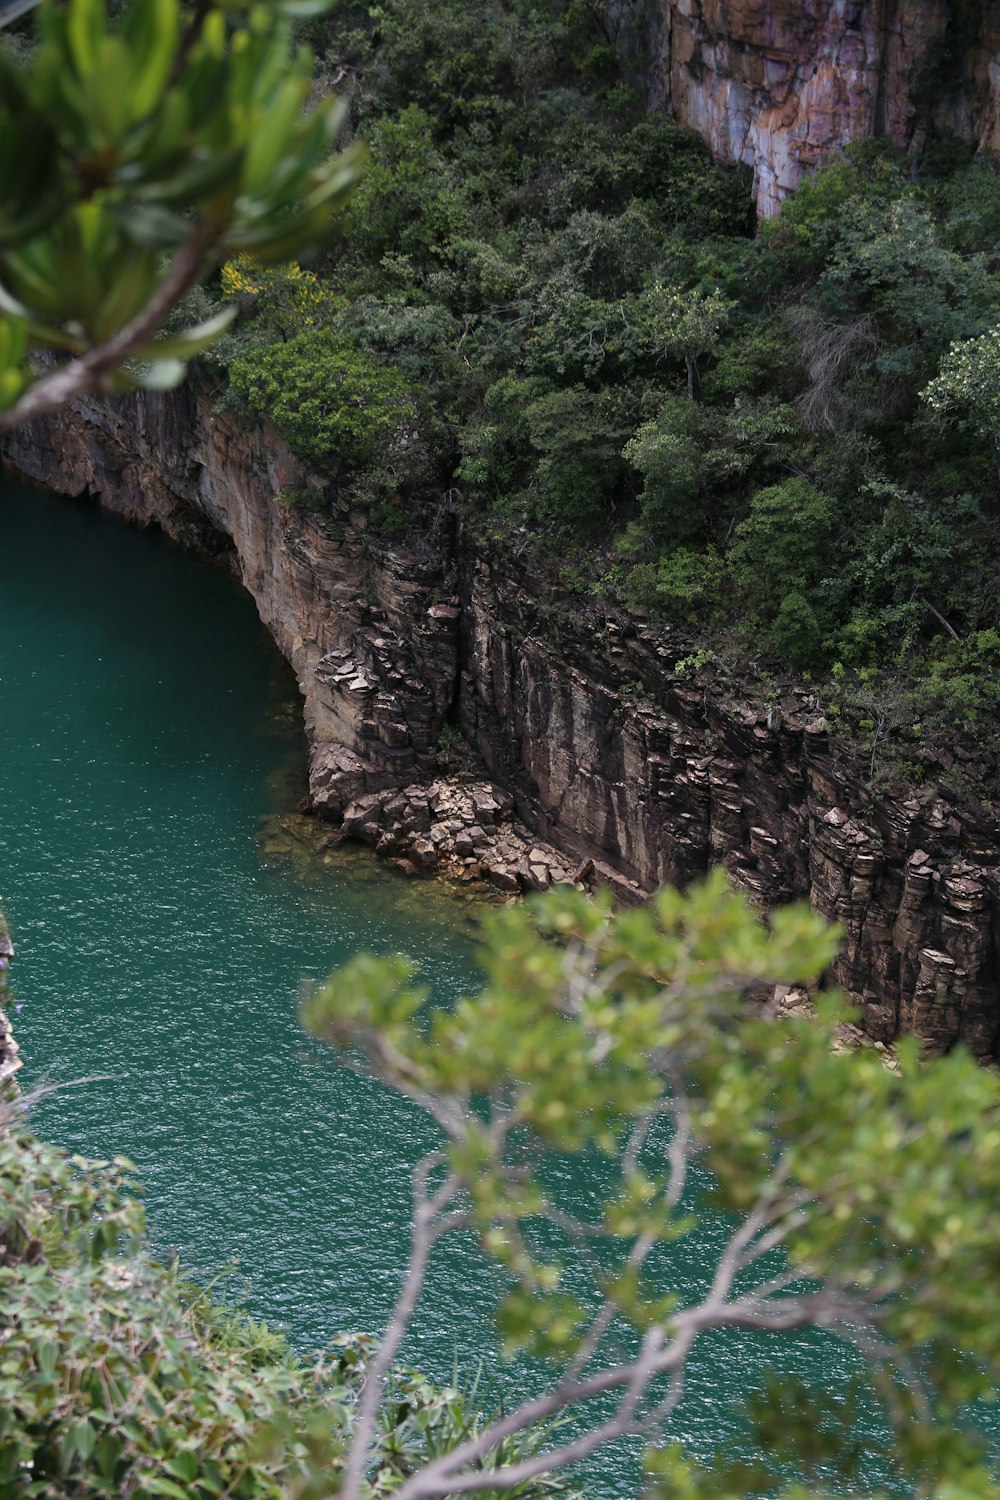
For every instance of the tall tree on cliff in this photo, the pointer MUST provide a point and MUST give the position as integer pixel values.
(135, 158)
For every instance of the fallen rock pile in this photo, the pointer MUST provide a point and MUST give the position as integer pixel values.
(461, 829)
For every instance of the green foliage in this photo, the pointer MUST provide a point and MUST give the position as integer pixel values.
(577, 434)
(675, 585)
(779, 555)
(864, 1200)
(549, 306)
(963, 681)
(970, 201)
(118, 143)
(684, 324)
(969, 382)
(106, 1388)
(117, 1377)
(889, 261)
(668, 455)
(808, 227)
(332, 403)
(690, 457)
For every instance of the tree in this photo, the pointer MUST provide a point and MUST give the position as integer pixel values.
(969, 381)
(132, 161)
(686, 325)
(863, 1200)
(780, 560)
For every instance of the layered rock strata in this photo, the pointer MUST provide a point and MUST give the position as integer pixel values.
(616, 744)
(780, 84)
(601, 733)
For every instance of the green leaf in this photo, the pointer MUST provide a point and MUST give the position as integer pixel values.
(183, 1466)
(85, 27)
(190, 341)
(151, 30)
(163, 375)
(160, 1485)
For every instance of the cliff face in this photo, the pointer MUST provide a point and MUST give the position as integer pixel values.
(779, 84)
(609, 746)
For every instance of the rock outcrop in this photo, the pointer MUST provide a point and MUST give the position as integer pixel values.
(780, 84)
(616, 745)
(463, 828)
(600, 733)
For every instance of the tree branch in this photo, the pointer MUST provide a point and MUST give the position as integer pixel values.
(88, 372)
(939, 617)
(822, 1308)
(426, 1233)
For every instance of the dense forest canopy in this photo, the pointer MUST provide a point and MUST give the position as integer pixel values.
(550, 309)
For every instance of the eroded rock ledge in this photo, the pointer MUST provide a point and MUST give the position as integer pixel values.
(464, 829)
(592, 730)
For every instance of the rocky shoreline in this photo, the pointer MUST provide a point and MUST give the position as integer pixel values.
(606, 748)
(462, 829)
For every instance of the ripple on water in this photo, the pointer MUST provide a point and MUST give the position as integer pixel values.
(167, 907)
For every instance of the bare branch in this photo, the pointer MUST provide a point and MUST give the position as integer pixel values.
(426, 1233)
(442, 1476)
(679, 1150)
(605, 1314)
(391, 1067)
(938, 616)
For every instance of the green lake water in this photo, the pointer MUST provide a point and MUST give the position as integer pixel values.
(167, 905)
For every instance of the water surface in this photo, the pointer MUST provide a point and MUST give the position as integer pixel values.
(166, 912)
(166, 909)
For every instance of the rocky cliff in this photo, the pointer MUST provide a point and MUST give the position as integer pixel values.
(597, 728)
(779, 84)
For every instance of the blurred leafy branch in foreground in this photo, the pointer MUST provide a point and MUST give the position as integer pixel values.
(135, 158)
(853, 1198)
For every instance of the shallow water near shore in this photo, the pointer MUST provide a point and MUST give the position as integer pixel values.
(167, 905)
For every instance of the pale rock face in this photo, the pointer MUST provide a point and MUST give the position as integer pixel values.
(779, 85)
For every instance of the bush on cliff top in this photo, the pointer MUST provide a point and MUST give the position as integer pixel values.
(600, 347)
(119, 1378)
(335, 404)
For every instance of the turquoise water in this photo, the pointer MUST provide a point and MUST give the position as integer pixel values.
(167, 905)
(164, 919)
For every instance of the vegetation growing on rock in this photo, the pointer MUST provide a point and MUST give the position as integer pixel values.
(566, 325)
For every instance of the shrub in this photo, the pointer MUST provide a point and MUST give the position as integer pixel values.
(333, 403)
(668, 454)
(118, 1378)
(112, 1383)
(780, 553)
